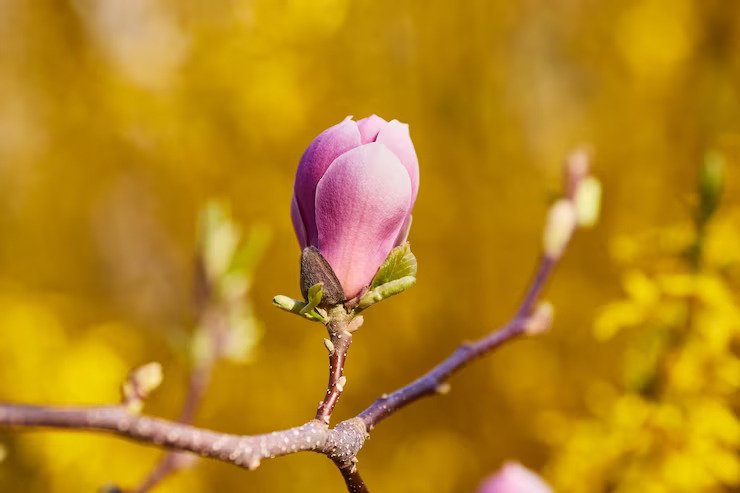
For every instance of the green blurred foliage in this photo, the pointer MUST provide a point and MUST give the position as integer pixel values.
(120, 119)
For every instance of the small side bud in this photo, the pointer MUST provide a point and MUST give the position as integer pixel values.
(329, 346)
(561, 222)
(443, 388)
(541, 320)
(587, 202)
(355, 323)
(341, 383)
(253, 463)
(577, 167)
(141, 382)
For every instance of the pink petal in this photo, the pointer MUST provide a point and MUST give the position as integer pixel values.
(369, 127)
(396, 136)
(324, 149)
(514, 478)
(361, 204)
(300, 229)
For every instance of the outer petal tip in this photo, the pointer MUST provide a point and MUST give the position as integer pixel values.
(396, 136)
(369, 128)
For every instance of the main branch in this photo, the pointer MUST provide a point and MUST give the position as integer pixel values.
(341, 443)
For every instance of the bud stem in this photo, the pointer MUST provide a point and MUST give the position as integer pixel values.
(340, 327)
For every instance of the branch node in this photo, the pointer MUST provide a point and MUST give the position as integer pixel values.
(355, 323)
(329, 346)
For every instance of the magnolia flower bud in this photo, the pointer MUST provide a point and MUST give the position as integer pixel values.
(354, 190)
(514, 478)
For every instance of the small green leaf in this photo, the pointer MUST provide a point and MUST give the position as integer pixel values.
(399, 264)
(288, 304)
(298, 307)
(315, 294)
(386, 290)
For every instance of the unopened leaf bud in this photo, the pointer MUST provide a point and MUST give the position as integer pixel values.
(541, 320)
(588, 202)
(287, 303)
(576, 170)
(141, 382)
(561, 222)
(329, 346)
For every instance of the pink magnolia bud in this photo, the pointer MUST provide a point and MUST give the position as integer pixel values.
(354, 190)
(514, 478)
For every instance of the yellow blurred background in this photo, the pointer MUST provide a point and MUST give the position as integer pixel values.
(119, 119)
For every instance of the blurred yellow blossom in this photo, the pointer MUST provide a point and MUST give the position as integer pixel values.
(674, 428)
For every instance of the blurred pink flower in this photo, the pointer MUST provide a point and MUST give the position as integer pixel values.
(354, 191)
(514, 478)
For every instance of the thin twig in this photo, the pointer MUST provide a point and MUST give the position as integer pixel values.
(352, 478)
(164, 468)
(432, 382)
(339, 341)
